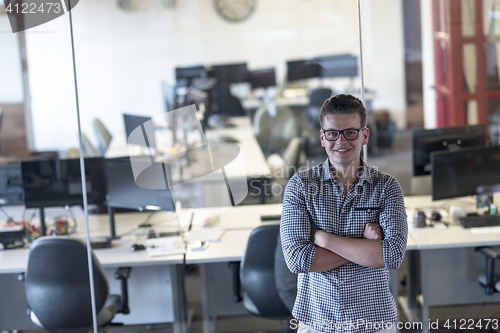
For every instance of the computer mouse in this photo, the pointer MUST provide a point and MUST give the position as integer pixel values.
(137, 247)
(435, 216)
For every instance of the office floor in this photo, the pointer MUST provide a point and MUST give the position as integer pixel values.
(395, 161)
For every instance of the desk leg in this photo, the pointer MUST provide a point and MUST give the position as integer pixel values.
(412, 282)
(179, 295)
(262, 187)
(425, 317)
(208, 320)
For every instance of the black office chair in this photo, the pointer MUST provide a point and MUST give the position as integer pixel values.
(58, 286)
(257, 274)
(224, 103)
(311, 120)
(490, 281)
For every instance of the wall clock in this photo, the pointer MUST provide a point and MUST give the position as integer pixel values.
(235, 10)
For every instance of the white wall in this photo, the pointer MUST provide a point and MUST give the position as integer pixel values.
(383, 50)
(122, 57)
(428, 75)
(11, 83)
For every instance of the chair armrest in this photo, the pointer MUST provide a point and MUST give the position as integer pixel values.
(122, 274)
(491, 255)
(488, 252)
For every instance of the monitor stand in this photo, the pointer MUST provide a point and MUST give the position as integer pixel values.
(112, 228)
(43, 229)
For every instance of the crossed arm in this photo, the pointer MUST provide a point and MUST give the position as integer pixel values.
(333, 251)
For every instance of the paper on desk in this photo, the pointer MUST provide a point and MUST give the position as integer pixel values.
(204, 234)
(10, 228)
(485, 230)
(164, 246)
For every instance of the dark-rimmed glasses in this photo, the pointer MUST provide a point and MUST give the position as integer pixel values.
(349, 134)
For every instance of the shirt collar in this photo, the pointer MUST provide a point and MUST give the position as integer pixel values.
(366, 173)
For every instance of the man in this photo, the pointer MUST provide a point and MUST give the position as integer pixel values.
(343, 226)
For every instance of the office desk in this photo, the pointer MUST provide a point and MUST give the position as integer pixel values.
(431, 254)
(155, 283)
(443, 263)
(216, 280)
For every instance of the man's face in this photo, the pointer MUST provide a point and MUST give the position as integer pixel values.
(342, 152)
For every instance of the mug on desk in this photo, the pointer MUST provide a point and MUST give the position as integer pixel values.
(419, 219)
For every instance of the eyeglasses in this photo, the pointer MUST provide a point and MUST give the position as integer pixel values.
(349, 134)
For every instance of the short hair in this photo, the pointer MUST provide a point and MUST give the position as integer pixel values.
(343, 104)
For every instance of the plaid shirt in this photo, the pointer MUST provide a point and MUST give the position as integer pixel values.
(351, 297)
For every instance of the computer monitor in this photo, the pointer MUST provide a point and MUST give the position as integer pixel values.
(134, 121)
(226, 74)
(189, 73)
(339, 65)
(123, 191)
(262, 78)
(445, 138)
(11, 184)
(459, 173)
(301, 70)
(53, 183)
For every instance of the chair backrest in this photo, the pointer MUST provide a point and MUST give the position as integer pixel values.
(57, 283)
(316, 99)
(88, 147)
(224, 103)
(257, 273)
(291, 155)
(319, 95)
(274, 133)
(103, 135)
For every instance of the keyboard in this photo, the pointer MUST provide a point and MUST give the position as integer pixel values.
(476, 221)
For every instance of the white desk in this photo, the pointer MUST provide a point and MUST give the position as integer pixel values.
(441, 262)
(216, 281)
(155, 283)
(444, 263)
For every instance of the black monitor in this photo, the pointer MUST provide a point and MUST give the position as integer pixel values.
(445, 138)
(53, 183)
(123, 190)
(262, 78)
(189, 73)
(11, 184)
(459, 173)
(168, 93)
(301, 70)
(339, 65)
(229, 73)
(134, 121)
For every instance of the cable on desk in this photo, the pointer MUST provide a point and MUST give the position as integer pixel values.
(191, 221)
(145, 223)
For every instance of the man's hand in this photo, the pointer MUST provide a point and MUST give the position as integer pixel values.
(372, 231)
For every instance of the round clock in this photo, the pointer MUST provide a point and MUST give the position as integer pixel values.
(235, 10)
